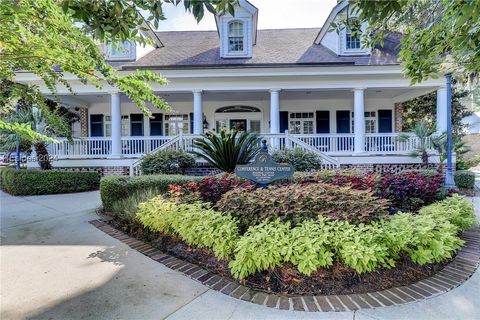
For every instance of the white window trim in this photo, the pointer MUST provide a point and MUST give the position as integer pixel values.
(132, 56)
(342, 44)
(302, 120)
(249, 116)
(246, 38)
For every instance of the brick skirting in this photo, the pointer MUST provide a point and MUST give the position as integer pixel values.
(103, 171)
(454, 274)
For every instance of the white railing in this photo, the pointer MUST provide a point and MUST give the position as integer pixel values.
(100, 147)
(329, 143)
(323, 144)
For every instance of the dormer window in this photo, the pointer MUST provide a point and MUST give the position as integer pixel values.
(120, 51)
(235, 37)
(351, 42)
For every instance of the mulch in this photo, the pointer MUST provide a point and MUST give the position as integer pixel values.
(335, 280)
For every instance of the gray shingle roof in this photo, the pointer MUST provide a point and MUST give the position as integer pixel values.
(274, 47)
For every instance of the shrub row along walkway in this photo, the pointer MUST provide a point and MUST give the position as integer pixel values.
(55, 264)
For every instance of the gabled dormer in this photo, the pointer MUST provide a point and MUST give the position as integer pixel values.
(343, 43)
(238, 33)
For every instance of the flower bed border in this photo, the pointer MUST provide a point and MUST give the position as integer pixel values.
(459, 270)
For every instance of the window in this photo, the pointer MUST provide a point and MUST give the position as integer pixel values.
(108, 126)
(121, 51)
(174, 123)
(136, 124)
(301, 123)
(235, 36)
(351, 42)
(370, 122)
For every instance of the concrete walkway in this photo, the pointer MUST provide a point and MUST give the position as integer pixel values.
(54, 265)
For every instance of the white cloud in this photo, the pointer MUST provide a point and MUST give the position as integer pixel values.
(272, 14)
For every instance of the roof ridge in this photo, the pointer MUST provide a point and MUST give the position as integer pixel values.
(271, 29)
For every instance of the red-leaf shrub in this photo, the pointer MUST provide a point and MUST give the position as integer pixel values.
(210, 188)
(356, 179)
(410, 190)
(297, 202)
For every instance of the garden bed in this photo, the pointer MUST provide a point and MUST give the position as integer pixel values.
(287, 280)
(321, 234)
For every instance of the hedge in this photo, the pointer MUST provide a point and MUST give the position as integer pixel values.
(36, 182)
(115, 188)
(465, 179)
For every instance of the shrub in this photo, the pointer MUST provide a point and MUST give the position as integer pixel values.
(209, 189)
(195, 223)
(126, 209)
(37, 182)
(167, 162)
(464, 179)
(410, 190)
(260, 248)
(115, 188)
(356, 179)
(456, 209)
(297, 203)
(300, 160)
(226, 150)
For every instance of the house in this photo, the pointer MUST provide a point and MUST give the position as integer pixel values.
(311, 88)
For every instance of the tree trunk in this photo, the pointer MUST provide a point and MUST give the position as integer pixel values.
(425, 157)
(43, 158)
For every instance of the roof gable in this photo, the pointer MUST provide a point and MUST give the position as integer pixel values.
(331, 17)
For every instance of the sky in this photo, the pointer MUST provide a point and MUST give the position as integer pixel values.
(272, 14)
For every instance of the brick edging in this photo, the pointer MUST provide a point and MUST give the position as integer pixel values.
(459, 270)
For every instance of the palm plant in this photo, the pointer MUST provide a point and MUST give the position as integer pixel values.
(439, 143)
(228, 149)
(424, 131)
(40, 123)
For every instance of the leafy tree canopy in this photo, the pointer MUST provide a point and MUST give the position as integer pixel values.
(51, 38)
(438, 36)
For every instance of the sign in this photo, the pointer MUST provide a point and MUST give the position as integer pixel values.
(263, 170)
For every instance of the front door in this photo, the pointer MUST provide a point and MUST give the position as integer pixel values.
(238, 124)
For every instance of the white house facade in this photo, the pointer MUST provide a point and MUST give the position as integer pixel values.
(308, 88)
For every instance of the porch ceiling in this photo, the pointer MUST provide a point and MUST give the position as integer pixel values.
(397, 94)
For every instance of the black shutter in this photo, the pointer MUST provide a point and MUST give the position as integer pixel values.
(136, 124)
(96, 125)
(156, 124)
(191, 122)
(323, 121)
(385, 124)
(283, 121)
(343, 121)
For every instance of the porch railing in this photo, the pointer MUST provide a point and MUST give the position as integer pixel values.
(324, 144)
(100, 147)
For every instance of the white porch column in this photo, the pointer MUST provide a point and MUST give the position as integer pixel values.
(116, 118)
(197, 112)
(275, 111)
(359, 119)
(441, 110)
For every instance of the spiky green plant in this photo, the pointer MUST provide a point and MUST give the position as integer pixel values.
(423, 131)
(228, 149)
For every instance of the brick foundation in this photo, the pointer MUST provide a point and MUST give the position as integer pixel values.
(390, 167)
(103, 171)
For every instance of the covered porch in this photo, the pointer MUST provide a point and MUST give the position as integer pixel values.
(333, 122)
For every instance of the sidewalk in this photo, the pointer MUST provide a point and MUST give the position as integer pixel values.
(55, 265)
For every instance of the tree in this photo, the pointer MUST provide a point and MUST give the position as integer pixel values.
(425, 108)
(51, 38)
(438, 36)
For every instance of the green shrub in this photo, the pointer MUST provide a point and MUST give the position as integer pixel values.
(195, 223)
(115, 188)
(310, 246)
(464, 179)
(167, 162)
(37, 182)
(456, 209)
(296, 203)
(126, 209)
(300, 160)
(261, 248)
